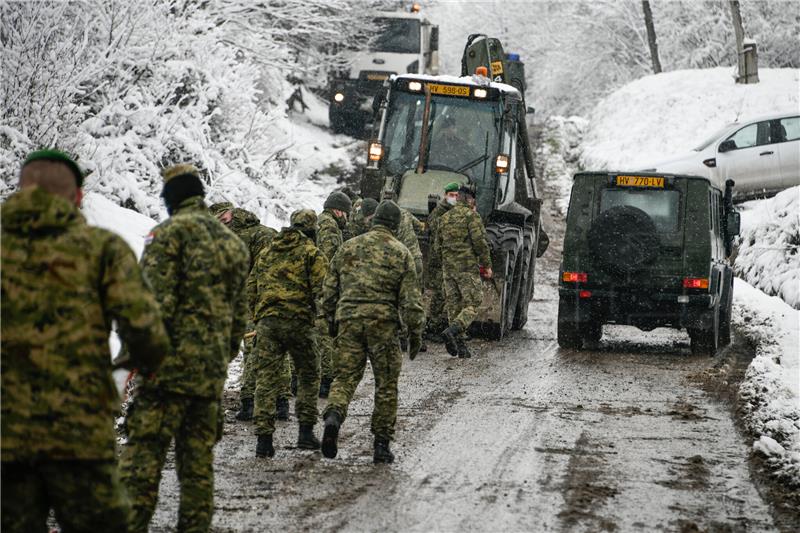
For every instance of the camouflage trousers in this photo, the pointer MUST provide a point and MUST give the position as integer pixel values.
(248, 387)
(437, 316)
(275, 337)
(85, 495)
(158, 417)
(358, 341)
(463, 297)
(327, 365)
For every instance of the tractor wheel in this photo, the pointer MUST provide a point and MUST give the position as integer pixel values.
(508, 240)
(526, 285)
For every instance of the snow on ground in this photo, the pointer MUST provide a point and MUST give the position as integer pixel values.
(130, 225)
(770, 392)
(658, 116)
(558, 152)
(769, 249)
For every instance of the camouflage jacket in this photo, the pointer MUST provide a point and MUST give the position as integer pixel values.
(255, 235)
(373, 277)
(287, 278)
(329, 234)
(63, 283)
(355, 224)
(461, 244)
(434, 260)
(407, 234)
(197, 268)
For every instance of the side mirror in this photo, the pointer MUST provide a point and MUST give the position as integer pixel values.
(435, 39)
(733, 221)
(530, 110)
(727, 146)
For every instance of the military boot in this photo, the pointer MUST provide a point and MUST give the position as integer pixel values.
(463, 349)
(282, 409)
(246, 410)
(451, 337)
(306, 440)
(330, 435)
(264, 446)
(325, 387)
(382, 453)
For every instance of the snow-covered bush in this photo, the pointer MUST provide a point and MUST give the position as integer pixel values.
(769, 246)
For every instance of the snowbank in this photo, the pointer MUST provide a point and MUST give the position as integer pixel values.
(130, 225)
(658, 116)
(770, 392)
(769, 249)
(558, 153)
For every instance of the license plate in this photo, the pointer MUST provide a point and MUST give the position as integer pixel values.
(640, 181)
(377, 77)
(448, 90)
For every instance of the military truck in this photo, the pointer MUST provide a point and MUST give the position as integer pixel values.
(647, 250)
(404, 42)
(433, 130)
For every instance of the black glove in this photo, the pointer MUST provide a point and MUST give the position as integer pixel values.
(414, 344)
(333, 329)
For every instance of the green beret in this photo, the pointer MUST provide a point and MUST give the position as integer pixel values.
(180, 170)
(56, 156)
(452, 186)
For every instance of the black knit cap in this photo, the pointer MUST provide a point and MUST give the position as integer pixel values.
(368, 207)
(56, 156)
(387, 214)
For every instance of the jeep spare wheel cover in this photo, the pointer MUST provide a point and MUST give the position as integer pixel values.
(623, 239)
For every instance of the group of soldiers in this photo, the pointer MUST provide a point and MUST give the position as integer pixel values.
(313, 303)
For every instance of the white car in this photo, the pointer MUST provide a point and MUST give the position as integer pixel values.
(761, 155)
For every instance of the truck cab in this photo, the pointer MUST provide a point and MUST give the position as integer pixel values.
(404, 42)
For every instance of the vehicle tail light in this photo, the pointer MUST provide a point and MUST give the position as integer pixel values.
(375, 151)
(695, 283)
(574, 277)
(585, 294)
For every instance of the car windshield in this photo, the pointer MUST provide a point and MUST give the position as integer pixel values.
(463, 137)
(660, 205)
(400, 36)
(717, 134)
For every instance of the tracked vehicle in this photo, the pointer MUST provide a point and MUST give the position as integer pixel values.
(433, 130)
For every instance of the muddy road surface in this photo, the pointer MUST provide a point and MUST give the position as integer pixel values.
(524, 436)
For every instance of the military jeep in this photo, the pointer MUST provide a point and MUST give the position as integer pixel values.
(647, 250)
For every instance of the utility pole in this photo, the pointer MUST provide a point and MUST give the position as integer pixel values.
(651, 36)
(746, 50)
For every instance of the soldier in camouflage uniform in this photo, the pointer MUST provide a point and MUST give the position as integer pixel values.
(437, 317)
(257, 237)
(63, 283)
(197, 269)
(360, 221)
(287, 281)
(462, 248)
(372, 285)
(329, 238)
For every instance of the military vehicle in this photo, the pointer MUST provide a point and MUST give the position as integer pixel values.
(433, 130)
(404, 42)
(647, 250)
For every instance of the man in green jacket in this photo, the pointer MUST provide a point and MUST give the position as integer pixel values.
(63, 284)
(371, 287)
(197, 268)
(287, 282)
(331, 222)
(437, 317)
(463, 250)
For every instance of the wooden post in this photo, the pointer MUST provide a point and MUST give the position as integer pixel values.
(746, 53)
(651, 36)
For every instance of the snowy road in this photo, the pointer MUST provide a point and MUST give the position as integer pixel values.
(637, 435)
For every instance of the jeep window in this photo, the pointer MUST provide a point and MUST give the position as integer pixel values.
(662, 206)
(399, 36)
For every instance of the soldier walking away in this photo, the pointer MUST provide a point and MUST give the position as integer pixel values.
(287, 281)
(332, 221)
(197, 269)
(63, 283)
(372, 285)
(256, 237)
(437, 317)
(464, 252)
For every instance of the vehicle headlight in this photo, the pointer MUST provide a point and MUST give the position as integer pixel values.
(338, 97)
